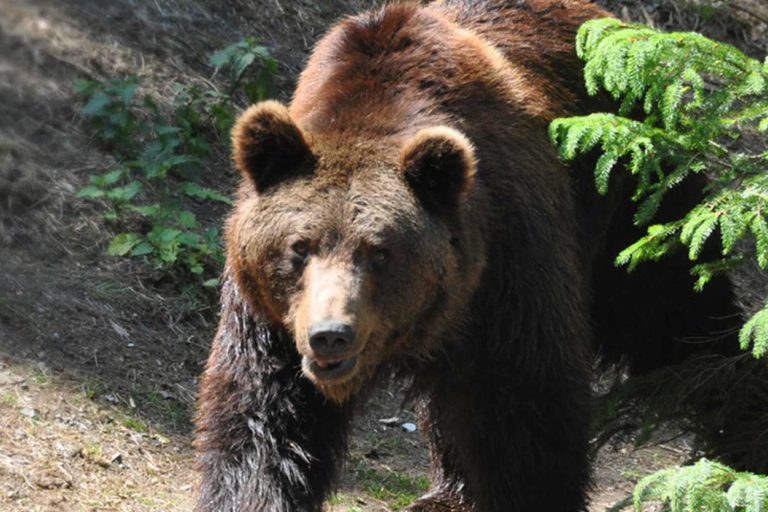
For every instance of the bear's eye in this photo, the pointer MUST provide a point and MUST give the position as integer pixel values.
(379, 258)
(300, 248)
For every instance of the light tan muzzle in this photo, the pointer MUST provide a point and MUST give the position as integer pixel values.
(329, 319)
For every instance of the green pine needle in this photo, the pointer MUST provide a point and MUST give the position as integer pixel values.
(700, 98)
(703, 487)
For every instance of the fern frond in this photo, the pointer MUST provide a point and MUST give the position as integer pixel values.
(704, 272)
(755, 331)
(670, 105)
(700, 97)
(759, 228)
(701, 235)
(749, 493)
(659, 239)
(706, 486)
(733, 225)
(603, 171)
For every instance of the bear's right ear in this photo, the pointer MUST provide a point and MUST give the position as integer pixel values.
(267, 146)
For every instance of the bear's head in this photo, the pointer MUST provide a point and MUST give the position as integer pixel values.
(356, 248)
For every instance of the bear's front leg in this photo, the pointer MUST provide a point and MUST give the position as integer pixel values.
(266, 439)
(447, 490)
(506, 441)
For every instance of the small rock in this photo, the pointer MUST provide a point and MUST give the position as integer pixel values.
(104, 463)
(409, 427)
(28, 412)
(52, 479)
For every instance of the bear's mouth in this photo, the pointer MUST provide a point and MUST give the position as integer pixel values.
(329, 371)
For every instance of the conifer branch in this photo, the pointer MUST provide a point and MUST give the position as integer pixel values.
(697, 106)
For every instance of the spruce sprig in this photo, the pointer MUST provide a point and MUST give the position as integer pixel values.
(705, 486)
(688, 105)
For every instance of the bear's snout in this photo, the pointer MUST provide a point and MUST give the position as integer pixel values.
(330, 327)
(334, 352)
(331, 340)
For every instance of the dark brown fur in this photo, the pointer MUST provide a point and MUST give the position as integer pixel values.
(411, 192)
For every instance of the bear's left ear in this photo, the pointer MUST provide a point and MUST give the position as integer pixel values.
(267, 146)
(439, 165)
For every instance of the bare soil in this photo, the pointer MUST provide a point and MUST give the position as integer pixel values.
(99, 357)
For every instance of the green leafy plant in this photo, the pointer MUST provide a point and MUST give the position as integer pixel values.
(236, 61)
(703, 487)
(703, 109)
(153, 191)
(396, 489)
(108, 108)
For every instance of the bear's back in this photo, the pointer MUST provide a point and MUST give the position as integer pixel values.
(408, 63)
(536, 36)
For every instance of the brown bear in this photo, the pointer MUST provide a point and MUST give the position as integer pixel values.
(407, 216)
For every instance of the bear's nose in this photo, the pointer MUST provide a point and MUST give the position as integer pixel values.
(331, 339)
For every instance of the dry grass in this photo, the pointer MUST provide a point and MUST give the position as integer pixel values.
(68, 444)
(59, 450)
